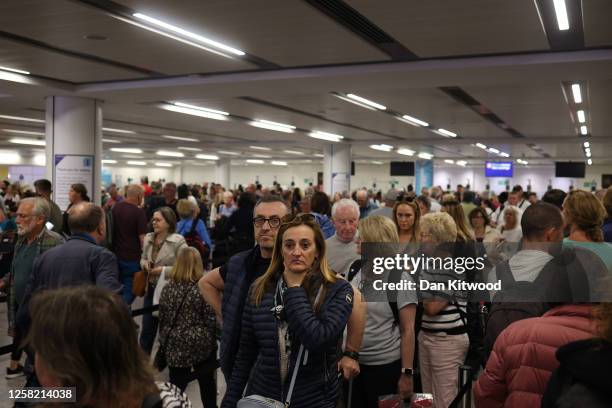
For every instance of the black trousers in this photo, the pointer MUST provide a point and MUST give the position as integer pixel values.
(371, 383)
(17, 350)
(181, 376)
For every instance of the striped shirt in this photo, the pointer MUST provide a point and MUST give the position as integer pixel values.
(452, 318)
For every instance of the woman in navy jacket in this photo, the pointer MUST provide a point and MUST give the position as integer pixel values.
(298, 301)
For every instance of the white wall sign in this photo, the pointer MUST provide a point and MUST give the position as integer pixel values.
(340, 182)
(70, 169)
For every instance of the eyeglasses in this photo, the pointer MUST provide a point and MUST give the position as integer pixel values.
(274, 222)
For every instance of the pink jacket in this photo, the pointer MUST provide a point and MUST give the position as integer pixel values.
(523, 357)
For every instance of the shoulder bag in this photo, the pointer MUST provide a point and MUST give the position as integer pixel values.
(160, 361)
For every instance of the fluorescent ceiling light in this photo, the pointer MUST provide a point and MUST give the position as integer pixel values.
(581, 116)
(331, 137)
(255, 161)
(278, 163)
(132, 156)
(504, 154)
(189, 34)
(483, 147)
(405, 152)
(413, 121)
(203, 109)
(426, 156)
(449, 161)
(259, 148)
(21, 118)
(461, 163)
(586, 144)
(118, 130)
(382, 147)
(207, 157)
(588, 154)
(376, 162)
(17, 71)
(9, 158)
(448, 133)
(110, 141)
(366, 101)
(561, 13)
(587, 150)
(40, 159)
(24, 132)
(493, 150)
(163, 164)
(293, 152)
(170, 153)
(522, 161)
(584, 130)
(182, 139)
(126, 150)
(263, 156)
(108, 161)
(589, 162)
(193, 112)
(136, 163)
(191, 149)
(344, 98)
(577, 93)
(230, 153)
(318, 155)
(24, 141)
(267, 124)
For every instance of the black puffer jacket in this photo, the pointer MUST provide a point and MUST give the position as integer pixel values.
(258, 360)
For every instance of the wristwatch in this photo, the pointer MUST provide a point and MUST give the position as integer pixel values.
(351, 354)
(407, 371)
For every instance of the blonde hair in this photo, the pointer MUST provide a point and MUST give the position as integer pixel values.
(441, 226)
(455, 210)
(188, 266)
(185, 208)
(586, 212)
(377, 228)
(266, 282)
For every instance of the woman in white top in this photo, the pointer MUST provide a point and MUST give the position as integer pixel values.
(511, 230)
(387, 351)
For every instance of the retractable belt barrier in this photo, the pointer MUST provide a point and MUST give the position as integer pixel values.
(464, 396)
(138, 312)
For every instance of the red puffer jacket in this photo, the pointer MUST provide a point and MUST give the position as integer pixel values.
(523, 357)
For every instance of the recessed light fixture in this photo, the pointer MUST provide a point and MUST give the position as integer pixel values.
(278, 163)
(22, 118)
(447, 133)
(191, 149)
(586, 144)
(207, 157)
(17, 71)
(587, 153)
(126, 150)
(105, 129)
(169, 153)
(255, 161)
(160, 164)
(587, 150)
(413, 121)
(405, 152)
(194, 112)
(584, 130)
(200, 108)
(426, 156)
(449, 161)
(581, 116)
(268, 124)
(504, 154)
(190, 35)
(24, 141)
(561, 13)
(182, 139)
(24, 132)
(365, 101)
(108, 161)
(589, 162)
(262, 156)
(330, 137)
(376, 162)
(259, 148)
(521, 161)
(229, 153)
(461, 163)
(110, 141)
(480, 145)
(318, 155)
(136, 163)
(576, 92)
(294, 152)
(344, 98)
(382, 147)
(493, 150)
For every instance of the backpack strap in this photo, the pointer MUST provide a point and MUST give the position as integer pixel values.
(353, 269)
(194, 224)
(395, 276)
(504, 273)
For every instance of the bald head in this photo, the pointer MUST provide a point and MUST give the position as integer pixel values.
(87, 218)
(362, 198)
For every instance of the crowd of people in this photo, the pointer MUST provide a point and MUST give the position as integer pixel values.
(273, 286)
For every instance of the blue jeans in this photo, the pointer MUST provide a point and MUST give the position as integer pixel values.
(149, 322)
(126, 272)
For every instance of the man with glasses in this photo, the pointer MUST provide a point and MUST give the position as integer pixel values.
(34, 239)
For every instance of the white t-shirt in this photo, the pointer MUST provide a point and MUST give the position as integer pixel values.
(340, 255)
